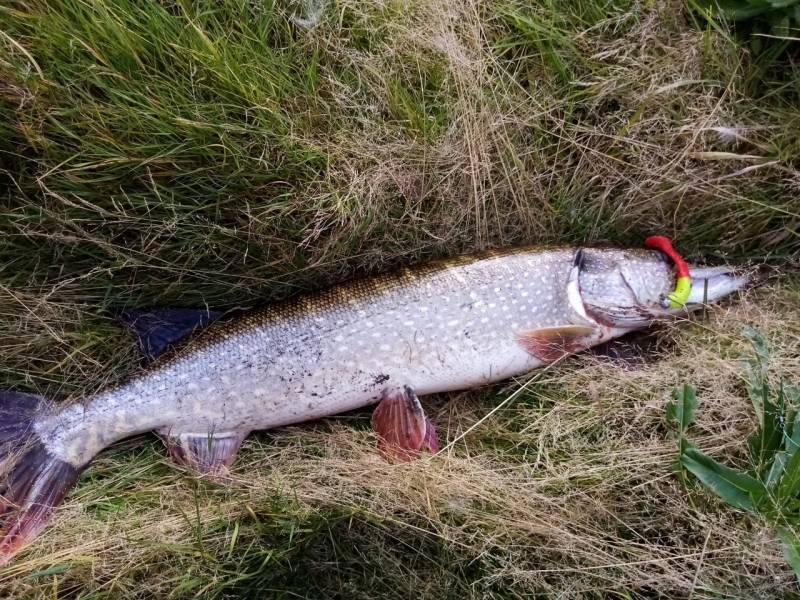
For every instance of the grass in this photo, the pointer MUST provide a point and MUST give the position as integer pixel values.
(192, 153)
(770, 486)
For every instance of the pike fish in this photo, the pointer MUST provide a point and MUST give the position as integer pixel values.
(450, 325)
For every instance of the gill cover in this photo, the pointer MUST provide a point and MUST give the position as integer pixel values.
(624, 288)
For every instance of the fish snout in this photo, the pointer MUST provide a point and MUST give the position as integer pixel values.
(710, 284)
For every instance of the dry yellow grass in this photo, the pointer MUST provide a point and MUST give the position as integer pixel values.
(180, 153)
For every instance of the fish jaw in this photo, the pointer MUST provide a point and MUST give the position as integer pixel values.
(711, 284)
(632, 290)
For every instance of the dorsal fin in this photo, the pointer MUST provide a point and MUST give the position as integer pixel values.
(157, 328)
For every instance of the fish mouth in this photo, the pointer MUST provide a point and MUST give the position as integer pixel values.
(710, 284)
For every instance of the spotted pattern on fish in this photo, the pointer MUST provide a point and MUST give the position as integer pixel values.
(447, 326)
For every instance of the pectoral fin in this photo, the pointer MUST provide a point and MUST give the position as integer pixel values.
(551, 343)
(402, 427)
(210, 453)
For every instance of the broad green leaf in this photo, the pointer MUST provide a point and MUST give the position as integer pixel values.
(780, 24)
(757, 387)
(776, 469)
(782, 3)
(758, 344)
(791, 437)
(791, 434)
(768, 438)
(757, 391)
(736, 488)
(735, 9)
(756, 44)
(680, 410)
(54, 570)
(790, 392)
(755, 369)
(789, 485)
(791, 549)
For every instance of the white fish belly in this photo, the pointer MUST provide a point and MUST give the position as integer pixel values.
(329, 391)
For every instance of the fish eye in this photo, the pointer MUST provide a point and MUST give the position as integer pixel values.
(664, 302)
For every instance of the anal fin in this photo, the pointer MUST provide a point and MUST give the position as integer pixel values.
(210, 453)
(402, 427)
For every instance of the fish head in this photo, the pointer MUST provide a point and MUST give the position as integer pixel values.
(630, 288)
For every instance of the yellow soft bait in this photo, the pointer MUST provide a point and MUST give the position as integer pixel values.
(683, 282)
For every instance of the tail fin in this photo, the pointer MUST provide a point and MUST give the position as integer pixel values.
(32, 481)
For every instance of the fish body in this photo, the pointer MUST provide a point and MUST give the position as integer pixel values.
(452, 325)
